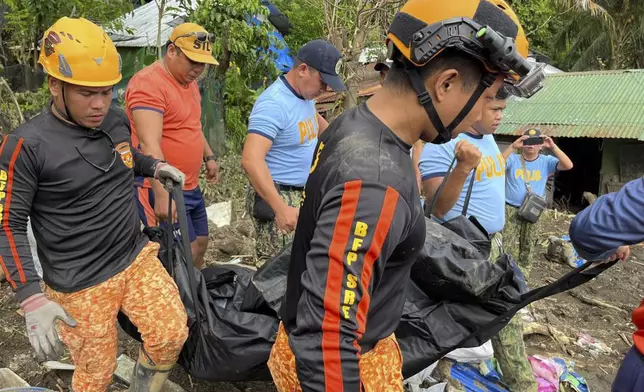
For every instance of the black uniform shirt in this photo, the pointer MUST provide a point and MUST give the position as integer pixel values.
(84, 218)
(359, 231)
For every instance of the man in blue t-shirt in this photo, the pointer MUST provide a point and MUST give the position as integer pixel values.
(527, 167)
(478, 155)
(283, 130)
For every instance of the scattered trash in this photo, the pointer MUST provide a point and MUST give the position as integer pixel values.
(526, 315)
(55, 365)
(474, 354)
(220, 214)
(235, 260)
(478, 377)
(560, 250)
(594, 346)
(555, 374)
(424, 377)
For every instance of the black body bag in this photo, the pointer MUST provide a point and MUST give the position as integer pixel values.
(225, 343)
(457, 297)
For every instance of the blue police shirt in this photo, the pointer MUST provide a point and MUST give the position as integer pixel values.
(290, 122)
(537, 173)
(487, 202)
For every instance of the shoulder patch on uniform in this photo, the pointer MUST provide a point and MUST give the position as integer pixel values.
(125, 151)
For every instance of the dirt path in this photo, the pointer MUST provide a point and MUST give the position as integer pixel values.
(622, 287)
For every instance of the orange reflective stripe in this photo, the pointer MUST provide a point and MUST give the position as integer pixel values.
(331, 321)
(2, 263)
(5, 220)
(7, 274)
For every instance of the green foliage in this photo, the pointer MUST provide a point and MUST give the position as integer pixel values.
(239, 100)
(232, 181)
(541, 22)
(27, 20)
(236, 40)
(30, 104)
(307, 20)
(241, 49)
(602, 34)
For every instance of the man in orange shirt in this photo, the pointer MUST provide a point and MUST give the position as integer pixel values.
(164, 108)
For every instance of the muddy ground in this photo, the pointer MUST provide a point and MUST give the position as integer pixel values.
(621, 289)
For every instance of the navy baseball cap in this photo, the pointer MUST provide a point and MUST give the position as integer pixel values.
(535, 137)
(325, 58)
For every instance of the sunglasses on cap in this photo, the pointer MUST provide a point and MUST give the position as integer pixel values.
(200, 36)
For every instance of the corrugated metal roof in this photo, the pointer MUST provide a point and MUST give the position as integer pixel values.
(143, 21)
(607, 104)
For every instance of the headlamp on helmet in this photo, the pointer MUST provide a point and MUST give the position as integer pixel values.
(524, 78)
(496, 51)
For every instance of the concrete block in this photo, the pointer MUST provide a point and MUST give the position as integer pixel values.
(220, 214)
(9, 379)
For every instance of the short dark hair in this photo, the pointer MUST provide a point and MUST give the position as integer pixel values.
(470, 69)
(297, 62)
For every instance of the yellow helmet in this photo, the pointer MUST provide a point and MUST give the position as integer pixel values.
(79, 52)
(487, 30)
(424, 28)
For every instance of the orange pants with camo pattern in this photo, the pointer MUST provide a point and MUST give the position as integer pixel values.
(147, 295)
(380, 368)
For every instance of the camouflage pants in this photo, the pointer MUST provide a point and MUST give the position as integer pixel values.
(269, 241)
(520, 238)
(147, 295)
(509, 348)
(380, 368)
(509, 351)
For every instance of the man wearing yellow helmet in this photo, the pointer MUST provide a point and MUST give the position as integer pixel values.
(361, 227)
(71, 170)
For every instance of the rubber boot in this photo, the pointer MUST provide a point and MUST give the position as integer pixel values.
(147, 376)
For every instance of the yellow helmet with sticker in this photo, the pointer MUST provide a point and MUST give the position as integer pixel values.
(79, 52)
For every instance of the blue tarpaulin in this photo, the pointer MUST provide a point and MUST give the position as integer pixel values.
(283, 59)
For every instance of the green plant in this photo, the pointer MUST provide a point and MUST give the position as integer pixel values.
(241, 48)
(307, 20)
(239, 100)
(232, 183)
(27, 20)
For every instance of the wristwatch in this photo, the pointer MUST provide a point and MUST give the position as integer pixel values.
(209, 158)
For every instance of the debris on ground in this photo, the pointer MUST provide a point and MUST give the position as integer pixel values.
(56, 365)
(551, 326)
(220, 214)
(560, 250)
(235, 241)
(555, 374)
(594, 346)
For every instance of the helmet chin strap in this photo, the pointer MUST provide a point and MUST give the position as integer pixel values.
(67, 115)
(444, 133)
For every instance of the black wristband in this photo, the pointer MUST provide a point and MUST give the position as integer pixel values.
(154, 166)
(209, 158)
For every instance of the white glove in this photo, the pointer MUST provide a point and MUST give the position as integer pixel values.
(165, 172)
(41, 315)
